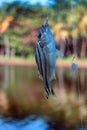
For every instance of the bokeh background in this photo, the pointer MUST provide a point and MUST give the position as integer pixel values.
(20, 21)
(23, 104)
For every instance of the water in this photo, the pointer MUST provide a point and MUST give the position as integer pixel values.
(23, 103)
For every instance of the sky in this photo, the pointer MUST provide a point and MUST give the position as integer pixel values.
(43, 2)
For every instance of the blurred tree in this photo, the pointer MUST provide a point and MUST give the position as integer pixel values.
(16, 18)
(20, 23)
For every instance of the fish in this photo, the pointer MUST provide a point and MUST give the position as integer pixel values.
(46, 55)
(74, 66)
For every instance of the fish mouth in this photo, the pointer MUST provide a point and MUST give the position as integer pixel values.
(42, 30)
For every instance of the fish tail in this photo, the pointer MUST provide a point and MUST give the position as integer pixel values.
(47, 92)
(53, 93)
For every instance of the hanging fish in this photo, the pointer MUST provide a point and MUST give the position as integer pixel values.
(45, 55)
(74, 66)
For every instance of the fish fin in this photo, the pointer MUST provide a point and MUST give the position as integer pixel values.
(40, 76)
(53, 77)
(59, 53)
(53, 93)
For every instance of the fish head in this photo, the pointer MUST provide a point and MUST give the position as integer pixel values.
(44, 34)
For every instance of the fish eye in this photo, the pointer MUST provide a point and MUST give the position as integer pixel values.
(39, 35)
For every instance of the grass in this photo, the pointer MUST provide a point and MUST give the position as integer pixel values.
(32, 58)
(69, 59)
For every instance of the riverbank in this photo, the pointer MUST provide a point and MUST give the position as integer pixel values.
(65, 62)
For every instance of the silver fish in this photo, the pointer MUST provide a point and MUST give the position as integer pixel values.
(45, 55)
(74, 65)
(73, 68)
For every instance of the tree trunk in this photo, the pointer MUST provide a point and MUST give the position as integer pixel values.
(7, 48)
(6, 78)
(83, 49)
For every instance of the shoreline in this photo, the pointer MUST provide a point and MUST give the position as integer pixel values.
(20, 62)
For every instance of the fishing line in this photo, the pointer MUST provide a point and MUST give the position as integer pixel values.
(74, 65)
(47, 15)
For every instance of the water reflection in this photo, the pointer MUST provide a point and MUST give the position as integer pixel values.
(30, 123)
(22, 94)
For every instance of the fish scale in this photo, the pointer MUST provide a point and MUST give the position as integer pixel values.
(45, 55)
